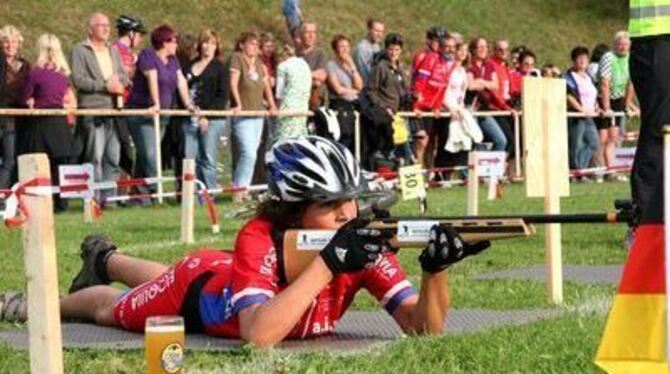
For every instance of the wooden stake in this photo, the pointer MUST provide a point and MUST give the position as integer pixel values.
(357, 136)
(473, 184)
(517, 146)
(493, 188)
(187, 200)
(89, 216)
(552, 200)
(159, 157)
(39, 253)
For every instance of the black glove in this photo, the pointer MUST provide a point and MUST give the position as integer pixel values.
(354, 247)
(446, 247)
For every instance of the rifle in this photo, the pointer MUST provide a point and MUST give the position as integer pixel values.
(301, 246)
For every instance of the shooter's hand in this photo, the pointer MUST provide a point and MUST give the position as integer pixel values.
(446, 247)
(354, 247)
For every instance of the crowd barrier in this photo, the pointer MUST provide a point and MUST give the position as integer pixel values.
(156, 115)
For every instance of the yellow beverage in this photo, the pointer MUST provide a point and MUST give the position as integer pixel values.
(164, 345)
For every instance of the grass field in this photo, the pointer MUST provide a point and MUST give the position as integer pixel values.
(562, 345)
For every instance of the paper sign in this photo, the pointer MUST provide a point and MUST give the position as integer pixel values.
(624, 156)
(76, 175)
(414, 231)
(491, 164)
(412, 184)
(313, 240)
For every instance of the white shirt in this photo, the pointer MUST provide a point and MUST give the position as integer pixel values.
(588, 94)
(458, 85)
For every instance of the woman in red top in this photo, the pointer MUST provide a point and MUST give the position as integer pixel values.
(485, 83)
(313, 185)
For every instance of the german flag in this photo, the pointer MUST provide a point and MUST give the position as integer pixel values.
(635, 335)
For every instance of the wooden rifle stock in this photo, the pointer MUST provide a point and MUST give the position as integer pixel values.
(301, 246)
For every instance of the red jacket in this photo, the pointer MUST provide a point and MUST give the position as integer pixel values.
(516, 84)
(430, 80)
(503, 73)
(488, 99)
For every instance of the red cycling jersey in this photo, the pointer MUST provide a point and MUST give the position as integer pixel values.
(430, 80)
(251, 276)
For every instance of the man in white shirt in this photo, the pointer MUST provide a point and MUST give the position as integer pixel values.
(366, 48)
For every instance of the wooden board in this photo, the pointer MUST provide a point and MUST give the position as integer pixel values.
(545, 135)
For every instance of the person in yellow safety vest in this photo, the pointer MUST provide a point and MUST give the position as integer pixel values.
(649, 28)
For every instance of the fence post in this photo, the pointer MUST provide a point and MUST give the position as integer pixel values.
(517, 145)
(357, 135)
(552, 205)
(473, 184)
(187, 200)
(39, 254)
(89, 210)
(159, 156)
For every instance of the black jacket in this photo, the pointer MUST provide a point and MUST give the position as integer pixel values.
(209, 90)
(3, 74)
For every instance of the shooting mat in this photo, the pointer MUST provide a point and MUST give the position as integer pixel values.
(583, 274)
(357, 332)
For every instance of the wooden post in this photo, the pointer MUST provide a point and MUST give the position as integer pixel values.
(159, 156)
(357, 136)
(517, 146)
(39, 253)
(493, 188)
(89, 215)
(552, 205)
(473, 184)
(187, 200)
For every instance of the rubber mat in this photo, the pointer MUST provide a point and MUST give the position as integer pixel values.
(357, 332)
(584, 274)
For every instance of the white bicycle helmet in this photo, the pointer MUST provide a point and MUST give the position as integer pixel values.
(312, 168)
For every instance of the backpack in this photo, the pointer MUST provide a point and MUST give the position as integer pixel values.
(326, 123)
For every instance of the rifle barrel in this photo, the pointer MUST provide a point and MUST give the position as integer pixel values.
(611, 217)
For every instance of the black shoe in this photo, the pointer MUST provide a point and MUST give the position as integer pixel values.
(13, 307)
(91, 247)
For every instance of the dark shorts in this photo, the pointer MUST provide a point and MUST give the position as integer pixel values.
(426, 124)
(617, 105)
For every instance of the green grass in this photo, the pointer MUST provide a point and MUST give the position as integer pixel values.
(562, 345)
(550, 27)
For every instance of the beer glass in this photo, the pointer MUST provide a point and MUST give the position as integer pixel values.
(164, 344)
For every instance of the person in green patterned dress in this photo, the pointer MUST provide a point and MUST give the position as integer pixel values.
(294, 82)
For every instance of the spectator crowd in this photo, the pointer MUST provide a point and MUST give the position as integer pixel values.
(368, 77)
